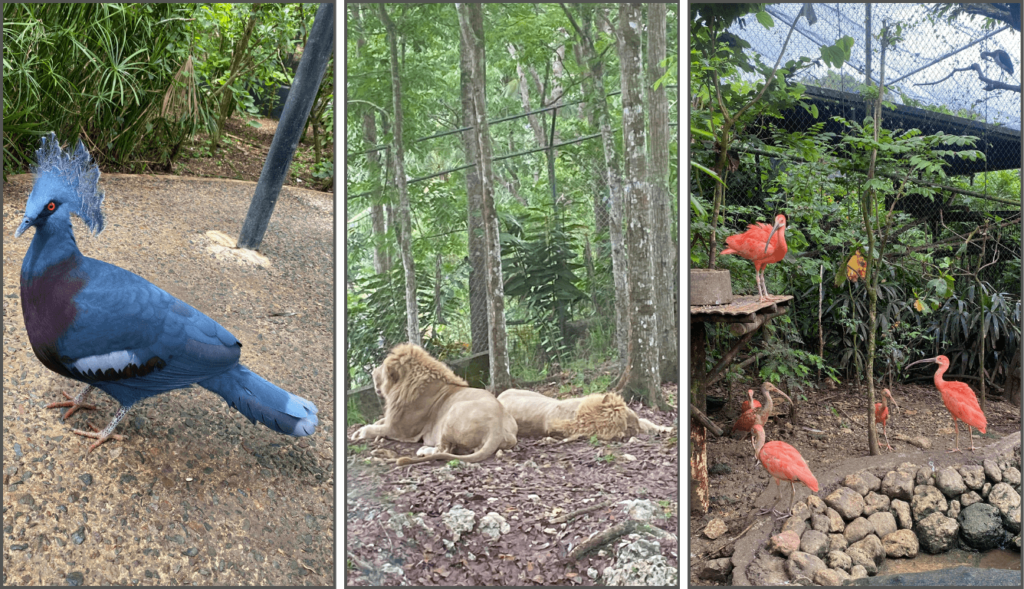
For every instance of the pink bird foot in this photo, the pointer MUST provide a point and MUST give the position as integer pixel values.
(98, 435)
(75, 403)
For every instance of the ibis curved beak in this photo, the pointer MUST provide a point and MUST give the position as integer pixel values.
(774, 229)
(925, 360)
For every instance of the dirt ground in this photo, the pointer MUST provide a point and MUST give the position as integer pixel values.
(736, 480)
(529, 486)
(195, 494)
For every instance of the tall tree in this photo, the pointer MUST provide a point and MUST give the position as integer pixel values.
(657, 173)
(477, 245)
(404, 215)
(643, 379)
(381, 256)
(471, 35)
(611, 161)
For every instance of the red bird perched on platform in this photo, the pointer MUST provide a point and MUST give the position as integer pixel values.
(762, 244)
(784, 463)
(882, 415)
(959, 399)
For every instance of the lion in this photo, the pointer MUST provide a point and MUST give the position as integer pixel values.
(424, 400)
(603, 415)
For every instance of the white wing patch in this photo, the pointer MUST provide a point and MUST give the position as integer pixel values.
(98, 364)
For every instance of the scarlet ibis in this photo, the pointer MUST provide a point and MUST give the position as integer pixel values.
(752, 403)
(959, 399)
(882, 415)
(784, 463)
(759, 245)
(758, 415)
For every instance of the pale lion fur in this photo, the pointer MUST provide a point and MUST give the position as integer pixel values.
(605, 416)
(424, 400)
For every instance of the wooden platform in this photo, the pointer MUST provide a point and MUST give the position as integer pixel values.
(743, 309)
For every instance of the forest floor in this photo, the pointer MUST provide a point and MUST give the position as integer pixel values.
(194, 494)
(529, 486)
(826, 439)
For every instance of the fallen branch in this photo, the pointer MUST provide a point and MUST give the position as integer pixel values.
(706, 421)
(361, 563)
(564, 518)
(846, 414)
(620, 529)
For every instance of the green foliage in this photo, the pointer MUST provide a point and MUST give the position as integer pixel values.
(956, 328)
(606, 458)
(357, 448)
(353, 415)
(539, 271)
(783, 358)
(99, 71)
(376, 318)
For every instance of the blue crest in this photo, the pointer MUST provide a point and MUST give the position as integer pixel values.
(77, 172)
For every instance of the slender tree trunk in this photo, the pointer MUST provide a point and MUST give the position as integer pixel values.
(619, 262)
(600, 170)
(471, 29)
(658, 173)
(524, 98)
(477, 245)
(644, 381)
(404, 214)
(381, 256)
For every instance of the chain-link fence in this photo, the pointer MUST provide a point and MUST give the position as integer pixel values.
(944, 74)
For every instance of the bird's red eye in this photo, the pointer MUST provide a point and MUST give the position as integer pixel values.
(51, 207)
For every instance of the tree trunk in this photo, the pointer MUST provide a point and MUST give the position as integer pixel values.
(475, 216)
(524, 98)
(381, 257)
(471, 30)
(644, 381)
(658, 174)
(600, 171)
(404, 215)
(614, 184)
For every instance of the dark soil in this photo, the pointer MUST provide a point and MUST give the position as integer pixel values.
(529, 486)
(194, 494)
(243, 153)
(736, 480)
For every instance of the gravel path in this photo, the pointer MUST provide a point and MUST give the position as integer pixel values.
(195, 494)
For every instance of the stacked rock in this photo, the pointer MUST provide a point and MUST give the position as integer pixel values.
(867, 519)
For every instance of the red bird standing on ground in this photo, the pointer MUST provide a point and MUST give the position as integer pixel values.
(784, 463)
(752, 403)
(882, 415)
(760, 244)
(959, 399)
(757, 414)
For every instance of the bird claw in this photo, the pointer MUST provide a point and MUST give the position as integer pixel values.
(781, 516)
(72, 403)
(96, 435)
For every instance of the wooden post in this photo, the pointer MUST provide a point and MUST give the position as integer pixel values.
(700, 498)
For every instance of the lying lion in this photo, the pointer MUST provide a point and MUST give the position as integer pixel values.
(424, 400)
(606, 416)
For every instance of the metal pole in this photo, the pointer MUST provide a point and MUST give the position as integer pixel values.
(289, 129)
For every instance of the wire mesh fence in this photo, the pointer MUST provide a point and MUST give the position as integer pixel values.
(945, 73)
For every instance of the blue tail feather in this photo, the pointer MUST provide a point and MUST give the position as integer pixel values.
(259, 400)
